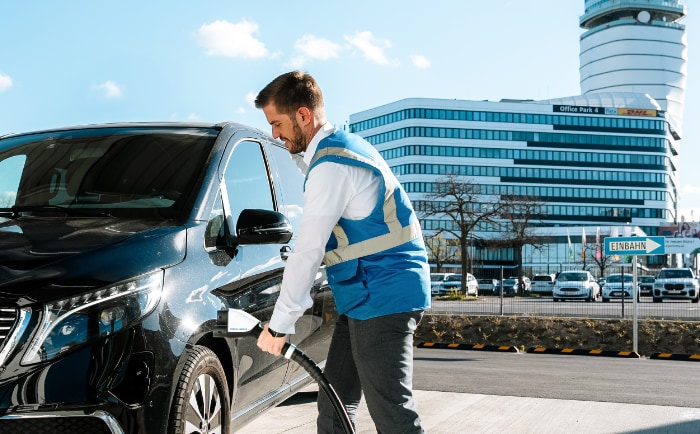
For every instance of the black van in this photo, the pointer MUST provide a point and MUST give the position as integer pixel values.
(119, 243)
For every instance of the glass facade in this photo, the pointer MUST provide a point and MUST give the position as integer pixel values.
(589, 166)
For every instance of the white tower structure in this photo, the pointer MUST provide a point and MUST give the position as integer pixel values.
(636, 46)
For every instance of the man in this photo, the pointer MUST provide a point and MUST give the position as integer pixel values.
(358, 220)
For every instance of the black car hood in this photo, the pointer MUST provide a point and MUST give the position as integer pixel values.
(46, 258)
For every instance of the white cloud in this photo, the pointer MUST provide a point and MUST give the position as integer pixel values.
(193, 117)
(317, 48)
(109, 89)
(223, 38)
(420, 61)
(312, 47)
(372, 49)
(5, 82)
(250, 98)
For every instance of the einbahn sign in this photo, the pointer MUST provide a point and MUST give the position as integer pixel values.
(635, 245)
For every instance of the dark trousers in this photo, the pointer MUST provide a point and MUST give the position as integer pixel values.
(374, 357)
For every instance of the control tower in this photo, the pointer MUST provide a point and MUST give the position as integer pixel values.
(636, 46)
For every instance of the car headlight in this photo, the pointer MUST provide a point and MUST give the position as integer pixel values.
(71, 322)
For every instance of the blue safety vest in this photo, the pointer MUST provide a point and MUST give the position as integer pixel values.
(377, 265)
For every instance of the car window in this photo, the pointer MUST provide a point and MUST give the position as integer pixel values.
(617, 278)
(454, 278)
(246, 179)
(291, 178)
(127, 170)
(573, 277)
(675, 274)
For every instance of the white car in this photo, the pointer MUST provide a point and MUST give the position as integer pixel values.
(575, 285)
(542, 284)
(676, 284)
(436, 280)
(454, 283)
(617, 287)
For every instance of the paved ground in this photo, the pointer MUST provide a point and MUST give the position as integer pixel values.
(445, 412)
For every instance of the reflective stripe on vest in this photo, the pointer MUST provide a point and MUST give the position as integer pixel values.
(397, 234)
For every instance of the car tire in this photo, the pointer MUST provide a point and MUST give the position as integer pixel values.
(606, 300)
(202, 381)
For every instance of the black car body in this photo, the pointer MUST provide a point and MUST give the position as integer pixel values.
(119, 244)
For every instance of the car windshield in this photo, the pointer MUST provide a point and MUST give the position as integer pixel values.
(131, 171)
(485, 280)
(675, 274)
(542, 279)
(509, 282)
(573, 277)
(454, 278)
(646, 279)
(617, 278)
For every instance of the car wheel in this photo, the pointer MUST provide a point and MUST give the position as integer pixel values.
(696, 299)
(201, 401)
(605, 300)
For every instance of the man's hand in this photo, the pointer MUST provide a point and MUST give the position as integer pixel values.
(269, 343)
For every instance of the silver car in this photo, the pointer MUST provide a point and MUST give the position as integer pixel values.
(575, 285)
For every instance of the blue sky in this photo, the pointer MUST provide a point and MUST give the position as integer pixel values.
(84, 61)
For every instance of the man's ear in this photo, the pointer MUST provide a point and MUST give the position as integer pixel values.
(304, 115)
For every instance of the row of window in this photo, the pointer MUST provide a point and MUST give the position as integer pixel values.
(571, 194)
(557, 212)
(656, 126)
(535, 174)
(656, 161)
(651, 144)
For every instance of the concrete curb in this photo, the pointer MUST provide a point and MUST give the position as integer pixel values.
(669, 356)
(444, 345)
(583, 352)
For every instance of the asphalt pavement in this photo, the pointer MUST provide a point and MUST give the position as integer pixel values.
(448, 412)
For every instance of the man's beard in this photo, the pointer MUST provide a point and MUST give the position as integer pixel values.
(297, 143)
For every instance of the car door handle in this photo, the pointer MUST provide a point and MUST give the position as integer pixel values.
(284, 252)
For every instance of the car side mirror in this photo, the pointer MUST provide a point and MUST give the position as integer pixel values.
(259, 226)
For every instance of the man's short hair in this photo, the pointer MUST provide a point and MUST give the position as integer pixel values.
(290, 91)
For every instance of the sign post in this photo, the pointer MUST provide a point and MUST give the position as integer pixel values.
(634, 246)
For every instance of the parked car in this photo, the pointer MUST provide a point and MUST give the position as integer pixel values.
(454, 283)
(676, 284)
(618, 286)
(436, 280)
(575, 285)
(118, 247)
(507, 286)
(646, 286)
(487, 286)
(543, 284)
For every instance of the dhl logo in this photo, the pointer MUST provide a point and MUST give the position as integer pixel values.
(635, 112)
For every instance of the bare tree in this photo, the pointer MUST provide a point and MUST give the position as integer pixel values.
(440, 251)
(518, 213)
(462, 208)
(601, 260)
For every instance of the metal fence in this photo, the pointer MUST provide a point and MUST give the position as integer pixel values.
(536, 305)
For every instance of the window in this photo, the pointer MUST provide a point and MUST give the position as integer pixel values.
(246, 179)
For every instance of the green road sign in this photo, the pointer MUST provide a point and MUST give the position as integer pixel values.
(635, 245)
